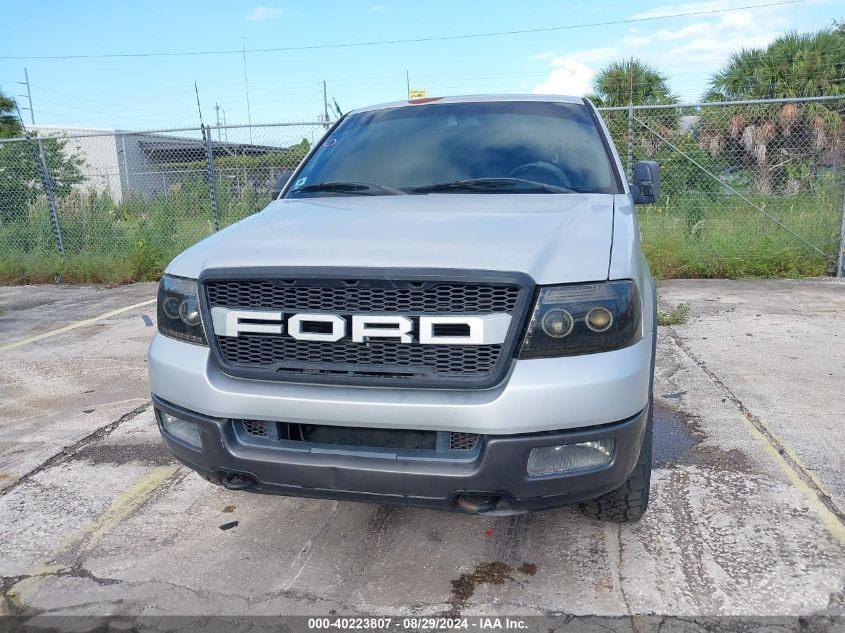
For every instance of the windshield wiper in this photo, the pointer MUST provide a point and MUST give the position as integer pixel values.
(490, 184)
(348, 186)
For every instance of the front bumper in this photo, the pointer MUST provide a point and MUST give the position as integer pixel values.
(498, 469)
(538, 395)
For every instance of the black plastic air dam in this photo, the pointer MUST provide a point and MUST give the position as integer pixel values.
(498, 470)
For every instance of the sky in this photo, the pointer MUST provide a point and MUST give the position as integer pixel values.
(151, 92)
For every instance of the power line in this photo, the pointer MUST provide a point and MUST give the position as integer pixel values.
(440, 38)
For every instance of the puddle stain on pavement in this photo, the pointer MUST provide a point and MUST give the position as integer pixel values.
(493, 573)
(152, 454)
(680, 440)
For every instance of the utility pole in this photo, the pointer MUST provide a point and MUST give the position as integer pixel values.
(225, 129)
(325, 105)
(28, 96)
(408, 84)
(217, 109)
(246, 85)
(199, 108)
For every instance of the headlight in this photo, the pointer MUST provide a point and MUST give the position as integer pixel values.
(179, 310)
(583, 319)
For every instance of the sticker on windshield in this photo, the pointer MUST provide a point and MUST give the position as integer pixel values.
(299, 183)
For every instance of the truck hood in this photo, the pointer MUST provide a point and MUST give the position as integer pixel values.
(554, 238)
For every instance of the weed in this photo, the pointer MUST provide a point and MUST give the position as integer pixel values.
(676, 316)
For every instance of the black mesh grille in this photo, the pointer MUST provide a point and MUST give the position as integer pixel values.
(442, 297)
(282, 357)
(255, 427)
(463, 441)
(273, 351)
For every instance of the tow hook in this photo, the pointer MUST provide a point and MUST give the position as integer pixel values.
(236, 481)
(477, 505)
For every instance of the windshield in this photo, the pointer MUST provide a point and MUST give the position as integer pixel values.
(495, 147)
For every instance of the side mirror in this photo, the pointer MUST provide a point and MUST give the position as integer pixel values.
(646, 186)
(281, 181)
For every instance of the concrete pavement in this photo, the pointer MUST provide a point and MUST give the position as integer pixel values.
(746, 514)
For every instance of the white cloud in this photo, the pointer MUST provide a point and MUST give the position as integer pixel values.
(713, 41)
(569, 77)
(705, 50)
(688, 50)
(259, 14)
(572, 74)
(686, 32)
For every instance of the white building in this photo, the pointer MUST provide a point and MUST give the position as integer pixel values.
(118, 162)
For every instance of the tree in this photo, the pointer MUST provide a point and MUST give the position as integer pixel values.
(10, 127)
(631, 81)
(781, 143)
(20, 175)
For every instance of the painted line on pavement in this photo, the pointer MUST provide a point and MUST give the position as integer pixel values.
(73, 326)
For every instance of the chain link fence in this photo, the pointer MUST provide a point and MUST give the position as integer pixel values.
(749, 188)
(116, 206)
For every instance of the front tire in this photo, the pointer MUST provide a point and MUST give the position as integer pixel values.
(630, 500)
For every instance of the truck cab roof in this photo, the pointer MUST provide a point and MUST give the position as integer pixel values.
(471, 99)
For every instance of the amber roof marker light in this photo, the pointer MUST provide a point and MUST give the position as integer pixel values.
(420, 100)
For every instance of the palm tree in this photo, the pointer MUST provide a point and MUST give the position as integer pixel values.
(779, 143)
(632, 81)
(9, 124)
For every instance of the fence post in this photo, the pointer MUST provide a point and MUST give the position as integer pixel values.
(211, 176)
(840, 262)
(38, 153)
(629, 167)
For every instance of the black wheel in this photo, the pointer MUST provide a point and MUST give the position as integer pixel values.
(630, 500)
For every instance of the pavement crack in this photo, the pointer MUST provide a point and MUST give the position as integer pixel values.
(619, 561)
(78, 571)
(68, 451)
(12, 603)
(786, 454)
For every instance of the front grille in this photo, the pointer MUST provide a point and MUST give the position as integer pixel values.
(281, 357)
(352, 296)
(265, 351)
(463, 441)
(255, 427)
(363, 438)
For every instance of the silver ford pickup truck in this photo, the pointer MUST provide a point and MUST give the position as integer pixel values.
(447, 306)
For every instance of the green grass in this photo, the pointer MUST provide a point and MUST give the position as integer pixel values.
(107, 242)
(703, 235)
(721, 236)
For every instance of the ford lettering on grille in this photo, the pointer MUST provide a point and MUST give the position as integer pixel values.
(367, 329)
(488, 329)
